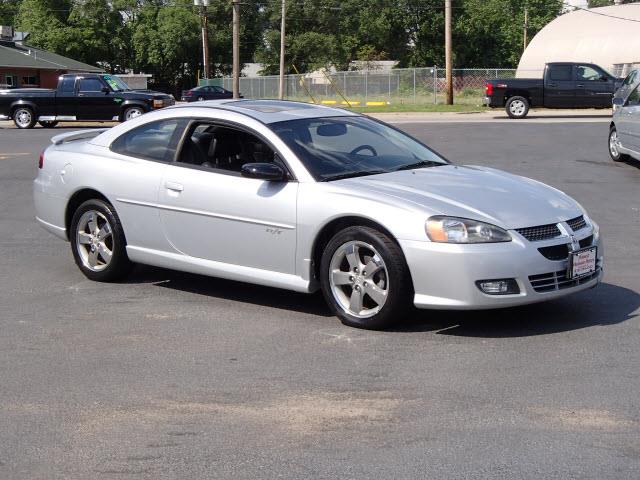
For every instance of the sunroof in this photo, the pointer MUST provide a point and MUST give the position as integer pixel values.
(271, 106)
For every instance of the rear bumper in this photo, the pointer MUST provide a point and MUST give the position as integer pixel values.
(445, 275)
(490, 102)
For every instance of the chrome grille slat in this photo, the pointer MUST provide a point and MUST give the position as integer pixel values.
(547, 282)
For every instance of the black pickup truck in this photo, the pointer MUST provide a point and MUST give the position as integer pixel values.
(85, 98)
(564, 85)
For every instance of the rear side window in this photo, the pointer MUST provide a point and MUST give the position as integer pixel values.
(90, 85)
(560, 72)
(153, 141)
(68, 84)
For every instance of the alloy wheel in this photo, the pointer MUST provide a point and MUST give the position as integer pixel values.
(23, 117)
(613, 144)
(517, 107)
(359, 279)
(94, 241)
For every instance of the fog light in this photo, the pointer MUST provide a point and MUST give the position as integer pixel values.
(507, 286)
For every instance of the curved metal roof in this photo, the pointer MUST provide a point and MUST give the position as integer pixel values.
(606, 36)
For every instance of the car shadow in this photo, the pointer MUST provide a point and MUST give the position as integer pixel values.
(552, 116)
(230, 290)
(607, 304)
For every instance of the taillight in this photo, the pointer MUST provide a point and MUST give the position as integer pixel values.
(489, 89)
(41, 160)
(188, 93)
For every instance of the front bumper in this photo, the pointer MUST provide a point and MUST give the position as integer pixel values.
(445, 275)
(5, 117)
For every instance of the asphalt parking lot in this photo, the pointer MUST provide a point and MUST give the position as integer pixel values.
(175, 376)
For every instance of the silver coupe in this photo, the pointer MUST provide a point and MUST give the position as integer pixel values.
(304, 197)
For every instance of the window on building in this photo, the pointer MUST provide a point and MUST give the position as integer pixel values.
(31, 81)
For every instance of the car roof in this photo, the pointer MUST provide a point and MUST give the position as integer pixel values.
(271, 111)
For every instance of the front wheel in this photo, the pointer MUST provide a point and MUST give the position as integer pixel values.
(98, 242)
(614, 147)
(131, 113)
(23, 117)
(365, 279)
(47, 123)
(517, 107)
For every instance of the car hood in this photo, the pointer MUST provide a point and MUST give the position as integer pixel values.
(480, 193)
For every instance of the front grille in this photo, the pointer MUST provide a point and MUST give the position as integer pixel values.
(577, 223)
(561, 252)
(541, 232)
(549, 282)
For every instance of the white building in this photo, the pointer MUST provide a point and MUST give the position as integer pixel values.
(606, 36)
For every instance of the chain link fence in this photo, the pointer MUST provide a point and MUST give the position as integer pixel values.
(397, 86)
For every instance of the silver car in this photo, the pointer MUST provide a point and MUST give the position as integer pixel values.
(631, 81)
(624, 131)
(305, 197)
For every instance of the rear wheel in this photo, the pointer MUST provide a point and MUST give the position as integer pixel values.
(200, 99)
(98, 242)
(614, 146)
(517, 107)
(365, 279)
(47, 124)
(24, 117)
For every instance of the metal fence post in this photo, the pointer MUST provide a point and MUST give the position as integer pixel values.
(414, 86)
(366, 86)
(435, 85)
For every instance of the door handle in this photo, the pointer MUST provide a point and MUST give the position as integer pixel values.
(176, 187)
(580, 85)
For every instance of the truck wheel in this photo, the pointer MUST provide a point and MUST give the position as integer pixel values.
(24, 117)
(517, 107)
(614, 146)
(47, 124)
(132, 112)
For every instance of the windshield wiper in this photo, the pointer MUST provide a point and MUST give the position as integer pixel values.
(420, 164)
(341, 176)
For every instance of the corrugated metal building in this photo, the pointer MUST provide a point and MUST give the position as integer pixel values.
(606, 36)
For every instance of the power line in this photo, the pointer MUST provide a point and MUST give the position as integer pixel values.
(589, 10)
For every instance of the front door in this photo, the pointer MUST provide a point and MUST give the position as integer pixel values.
(210, 211)
(92, 102)
(594, 88)
(559, 86)
(628, 121)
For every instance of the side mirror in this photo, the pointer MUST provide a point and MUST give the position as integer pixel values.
(263, 171)
(618, 102)
(106, 90)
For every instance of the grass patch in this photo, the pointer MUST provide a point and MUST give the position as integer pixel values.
(408, 108)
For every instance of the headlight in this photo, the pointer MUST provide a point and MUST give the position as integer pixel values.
(463, 230)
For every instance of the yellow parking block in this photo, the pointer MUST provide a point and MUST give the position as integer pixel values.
(376, 104)
(353, 104)
(329, 102)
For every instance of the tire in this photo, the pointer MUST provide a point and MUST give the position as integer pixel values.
(517, 107)
(24, 117)
(131, 113)
(90, 250)
(48, 124)
(200, 99)
(614, 145)
(360, 299)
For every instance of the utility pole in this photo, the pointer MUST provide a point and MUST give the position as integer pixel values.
(236, 48)
(447, 51)
(526, 26)
(282, 33)
(203, 4)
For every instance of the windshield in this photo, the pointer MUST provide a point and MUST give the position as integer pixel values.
(332, 148)
(116, 84)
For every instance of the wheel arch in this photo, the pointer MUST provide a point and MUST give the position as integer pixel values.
(334, 226)
(132, 103)
(23, 103)
(516, 93)
(77, 199)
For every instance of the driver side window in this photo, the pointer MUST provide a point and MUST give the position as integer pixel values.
(223, 149)
(588, 74)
